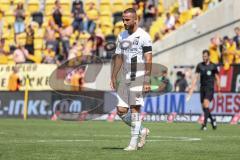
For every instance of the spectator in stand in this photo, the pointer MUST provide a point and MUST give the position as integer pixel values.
(78, 15)
(197, 3)
(214, 51)
(57, 14)
(92, 17)
(30, 39)
(138, 10)
(65, 33)
(149, 16)
(229, 51)
(95, 44)
(161, 83)
(181, 84)
(75, 51)
(14, 81)
(236, 38)
(21, 55)
(1, 23)
(169, 22)
(177, 21)
(213, 4)
(184, 5)
(50, 36)
(156, 37)
(49, 55)
(19, 13)
(3, 53)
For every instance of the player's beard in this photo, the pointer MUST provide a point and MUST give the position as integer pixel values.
(129, 28)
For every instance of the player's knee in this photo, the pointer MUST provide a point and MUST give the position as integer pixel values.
(135, 109)
(121, 111)
(205, 103)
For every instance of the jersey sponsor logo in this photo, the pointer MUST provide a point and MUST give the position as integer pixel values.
(209, 73)
(136, 40)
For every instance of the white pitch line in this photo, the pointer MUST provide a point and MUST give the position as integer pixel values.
(65, 140)
(168, 137)
(157, 139)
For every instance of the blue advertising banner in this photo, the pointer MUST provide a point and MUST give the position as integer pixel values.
(228, 104)
(154, 103)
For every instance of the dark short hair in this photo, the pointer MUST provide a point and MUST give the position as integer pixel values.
(130, 10)
(236, 28)
(206, 51)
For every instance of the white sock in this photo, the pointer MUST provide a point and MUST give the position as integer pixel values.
(128, 120)
(135, 128)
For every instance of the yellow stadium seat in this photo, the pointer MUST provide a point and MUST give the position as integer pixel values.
(9, 37)
(195, 11)
(38, 43)
(9, 17)
(5, 5)
(117, 6)
(3, 59)
(128, 3)
(107, 28)
(37, 58)
(185, 16)
(66, 5)
(83, 37)
(18, 1)
(105, 16)
(160, 9)
(49, 5)
(174, 8)
(21, 38)
(88, 2)
(105, 5)
(33, 6)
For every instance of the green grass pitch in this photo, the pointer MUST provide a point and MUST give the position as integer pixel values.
(99, 140)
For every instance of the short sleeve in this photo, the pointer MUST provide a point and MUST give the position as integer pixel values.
(118, 47)
(197, 69)
(147, 44)
(215, 69)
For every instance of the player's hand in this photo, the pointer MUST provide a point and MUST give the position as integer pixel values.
(113, 83)
(146, 87)
(188, 97)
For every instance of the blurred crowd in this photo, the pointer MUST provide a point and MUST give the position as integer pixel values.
(225, 50)
(54, 31)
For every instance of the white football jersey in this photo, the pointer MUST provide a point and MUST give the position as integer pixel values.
(133, 47)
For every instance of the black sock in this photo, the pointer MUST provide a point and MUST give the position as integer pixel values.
(210, 115)
(206, 115)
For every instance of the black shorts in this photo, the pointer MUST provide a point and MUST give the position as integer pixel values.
(206, 93)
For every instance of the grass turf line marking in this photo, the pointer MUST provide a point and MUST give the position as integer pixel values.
(158, 138)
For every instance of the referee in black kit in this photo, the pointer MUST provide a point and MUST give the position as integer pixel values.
(208, 73)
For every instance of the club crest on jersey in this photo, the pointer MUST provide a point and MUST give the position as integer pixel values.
(209, 73)
(136, 40)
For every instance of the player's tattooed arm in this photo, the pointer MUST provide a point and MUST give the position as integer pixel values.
(148, 69)
(117, 63)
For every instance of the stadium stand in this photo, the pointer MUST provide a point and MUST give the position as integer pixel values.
(101, 18)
